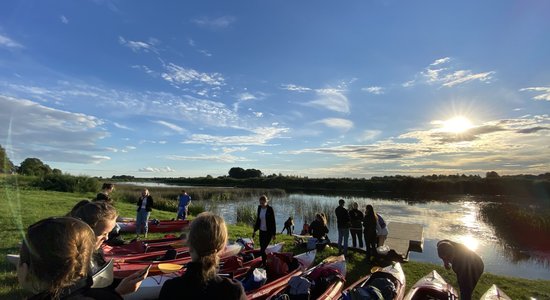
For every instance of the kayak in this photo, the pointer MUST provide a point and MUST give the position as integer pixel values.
(494, 293)
(125, 267)
(151, 286)
(324, 281)
(387, 281)
(140, 247)
(432, 286)
(156, 225)
(298, 265)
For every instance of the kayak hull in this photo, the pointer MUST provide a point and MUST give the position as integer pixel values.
(156, 226)
(432, 286)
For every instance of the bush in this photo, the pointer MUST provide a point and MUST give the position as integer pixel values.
(67, 183)
(196, 208)
(246, 215)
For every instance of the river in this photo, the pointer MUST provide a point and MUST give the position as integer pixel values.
(457, 220)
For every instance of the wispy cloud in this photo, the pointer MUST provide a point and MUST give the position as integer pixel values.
(214, 23)
(137, 46)
(7, 42)
(117, 125)
(337, 123)
(442, 73)
(377, 90)
(368, 135)
(53, 135)
(331, 99)
(224, 158)
(260, 137)
(180, 75)
(295, 88)
(544, 92)
(64, 19)
(157, 170)
(170, 125)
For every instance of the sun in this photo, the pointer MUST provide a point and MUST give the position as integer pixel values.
(456, 124)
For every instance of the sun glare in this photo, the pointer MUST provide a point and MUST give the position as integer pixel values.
(457, 124)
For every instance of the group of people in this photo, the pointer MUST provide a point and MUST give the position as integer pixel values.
(60, 255)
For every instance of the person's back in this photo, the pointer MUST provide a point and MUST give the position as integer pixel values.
(342, 217)
(207, 239)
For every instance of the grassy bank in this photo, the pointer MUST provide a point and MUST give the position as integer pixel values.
(22, 207)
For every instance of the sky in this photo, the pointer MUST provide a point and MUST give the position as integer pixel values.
(303, 88)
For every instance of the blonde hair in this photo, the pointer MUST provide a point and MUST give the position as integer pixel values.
(58, 252)
(207, 237)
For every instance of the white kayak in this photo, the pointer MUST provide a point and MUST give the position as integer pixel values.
(494, 293)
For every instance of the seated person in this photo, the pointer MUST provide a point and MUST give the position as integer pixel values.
(207, 239)
(55, 261)
(318, 228)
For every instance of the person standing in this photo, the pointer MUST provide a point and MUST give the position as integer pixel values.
(106, 190)
(207, 240)
(467, 265)
(381, 230)
(356, 217)
(265, 223)
(183, 206)
(369, 224)
(144, 208)
(343, 223)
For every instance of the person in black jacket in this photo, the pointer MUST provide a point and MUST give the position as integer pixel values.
(207, 240)
(356, 230)
(144, 208)
(54, 261)
(343, 222)
(318, 228)
(467, 265)
(265, 223)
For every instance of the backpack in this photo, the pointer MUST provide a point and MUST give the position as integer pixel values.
(381, 221)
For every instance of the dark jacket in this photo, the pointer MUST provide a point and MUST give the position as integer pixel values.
(102, 197)
(317, 229)
(269, 220)
(468, 267)
(148, 205)
(369, 223)
(356, 218)
(188, 286)
(342, 217)
(81, 290)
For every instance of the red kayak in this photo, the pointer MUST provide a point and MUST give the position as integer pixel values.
(324, 281)
(156, 225)
(432, 286)
(390, 279)
(276, 281)
(140, 247)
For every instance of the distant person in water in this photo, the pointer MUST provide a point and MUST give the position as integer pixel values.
(207, 240)
(289, 226)
(466, 264)
(144, 208)
(356, 217)
(265, 223)
(183, 207)
(106, 190)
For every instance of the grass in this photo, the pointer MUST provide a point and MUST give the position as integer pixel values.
(21, 207)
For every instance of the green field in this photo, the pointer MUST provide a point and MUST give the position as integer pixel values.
(21, 207)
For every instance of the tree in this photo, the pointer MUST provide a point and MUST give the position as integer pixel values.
(492, 174)
(6, 166)
(34, 167)
(236, 172)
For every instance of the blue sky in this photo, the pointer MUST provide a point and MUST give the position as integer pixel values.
(309, 88)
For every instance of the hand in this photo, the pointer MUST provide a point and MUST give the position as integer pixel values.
(274, 238)
(131, 283)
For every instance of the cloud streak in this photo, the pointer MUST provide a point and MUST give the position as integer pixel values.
(543, 90)
(7, 42)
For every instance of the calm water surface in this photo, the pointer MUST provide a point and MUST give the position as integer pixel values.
(457, 220)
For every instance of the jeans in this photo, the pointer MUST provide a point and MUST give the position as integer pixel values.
(265, 238)
(356, 235)
(182, 213)
(343, 233)
(142, 221)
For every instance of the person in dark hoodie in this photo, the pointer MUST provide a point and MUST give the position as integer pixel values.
(356, 216)
(265, 223)
(466, 264)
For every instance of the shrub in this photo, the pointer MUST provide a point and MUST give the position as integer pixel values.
(67, 183)
(246, 215)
